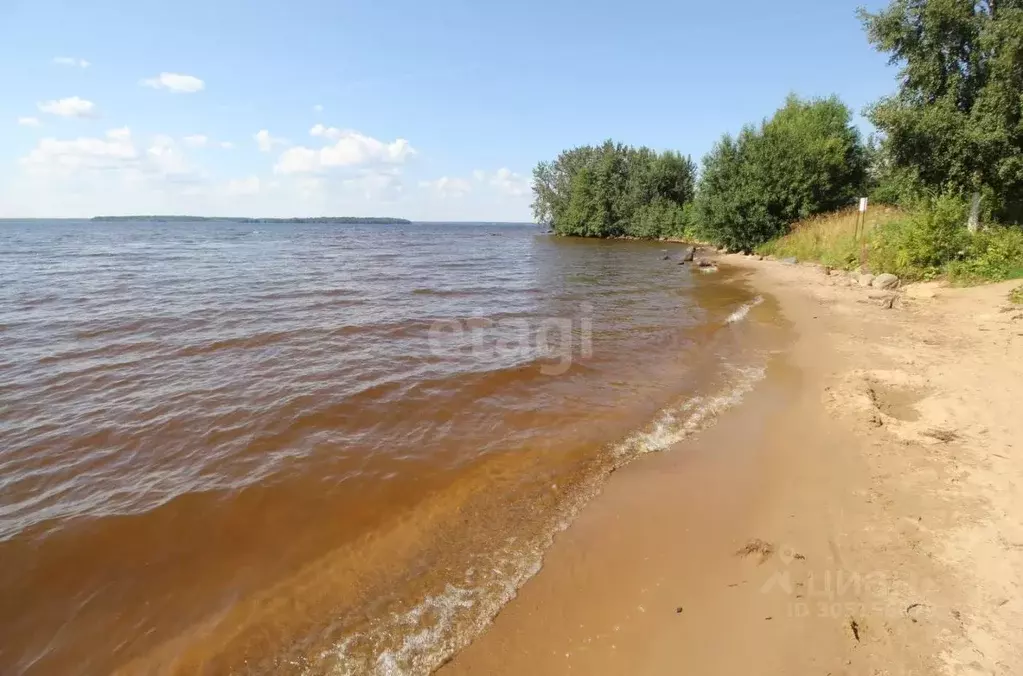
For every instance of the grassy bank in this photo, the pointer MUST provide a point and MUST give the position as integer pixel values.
(923, 243)
(830, 238)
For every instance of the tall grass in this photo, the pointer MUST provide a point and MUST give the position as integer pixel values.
(831, 239)
(926, 242)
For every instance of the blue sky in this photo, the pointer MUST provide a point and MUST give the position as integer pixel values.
(427, 110)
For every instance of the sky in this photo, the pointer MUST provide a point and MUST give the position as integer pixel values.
(425, 110)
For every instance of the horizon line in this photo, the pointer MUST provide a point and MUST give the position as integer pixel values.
(241, 218)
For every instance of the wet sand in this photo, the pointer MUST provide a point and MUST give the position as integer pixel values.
(859, 513)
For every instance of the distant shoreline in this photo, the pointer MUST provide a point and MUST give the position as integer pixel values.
(204, 219)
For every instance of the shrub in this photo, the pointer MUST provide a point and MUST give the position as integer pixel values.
(927, 242)
(613, 190)
(921, 245)
(659, 218)
(993, 254)
(807, 159)
(895, 186)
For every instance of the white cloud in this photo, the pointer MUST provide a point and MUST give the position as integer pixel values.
(29, 121)
(332, 133)
(196, 140)
(175, 82)
(243, 186)
(72, 106)
(164, 157)
(71, 61)
(446, 186)
(226, 145)
(510, 183)
(374, 185)
(266, 142)
(351, 149)
(486, 195)
(318, 108)
(63, 157)
(116, 153)
(124, 172)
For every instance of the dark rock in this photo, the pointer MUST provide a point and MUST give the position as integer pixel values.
(704, 264)
(666, 258)
(689, 254)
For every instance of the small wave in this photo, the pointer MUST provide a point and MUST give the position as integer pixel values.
(674, 424)
(421, 638)
(741, 313)
(443, 292)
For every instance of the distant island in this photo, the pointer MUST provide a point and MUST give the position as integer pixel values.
(204, 219)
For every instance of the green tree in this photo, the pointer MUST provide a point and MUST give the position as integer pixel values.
(613, 190)
(956, 122)
(806, 159)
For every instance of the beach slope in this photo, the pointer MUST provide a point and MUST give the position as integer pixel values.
(860, 512)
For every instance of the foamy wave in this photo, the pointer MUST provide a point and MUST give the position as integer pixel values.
(419, 640)
(675, 424)
(425, 626)
(741, 313)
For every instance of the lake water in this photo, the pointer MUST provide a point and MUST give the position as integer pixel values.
(320, 449)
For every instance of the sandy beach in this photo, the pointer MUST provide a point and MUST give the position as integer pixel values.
(859, 513)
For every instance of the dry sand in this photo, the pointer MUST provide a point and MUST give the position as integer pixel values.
(860, 513)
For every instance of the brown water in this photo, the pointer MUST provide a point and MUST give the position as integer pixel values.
(306, 449)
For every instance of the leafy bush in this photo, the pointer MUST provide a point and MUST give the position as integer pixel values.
(993, 254)
(922, 244)
(613, 190)
(927, 242)
(890, 185)
(807, 159)
(659, 218)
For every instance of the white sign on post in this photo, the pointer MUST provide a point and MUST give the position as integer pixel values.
(863, 205)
